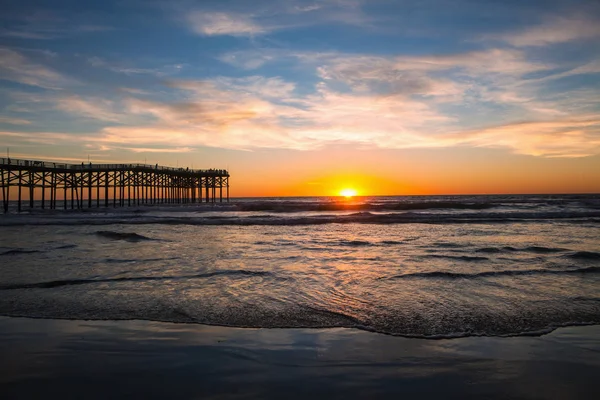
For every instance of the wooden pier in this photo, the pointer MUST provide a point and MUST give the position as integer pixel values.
(86, 185)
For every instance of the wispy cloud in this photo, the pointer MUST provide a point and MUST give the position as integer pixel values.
(249, 59)
(46, 25)
(223, 23)
(96, 108)
(16, 67)
(157, 149)
(260, 18)
(573, 136)
(555, 29)
(134, 91)
(45, 138)
(123, 68)
(14, 121)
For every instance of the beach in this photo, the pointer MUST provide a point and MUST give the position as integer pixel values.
(417, 297)
(141, 359)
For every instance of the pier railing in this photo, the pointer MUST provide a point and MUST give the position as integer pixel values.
(87, 166)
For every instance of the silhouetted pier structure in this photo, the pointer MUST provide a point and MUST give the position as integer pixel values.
(59, 185)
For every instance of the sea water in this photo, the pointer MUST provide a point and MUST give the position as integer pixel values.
(437, 266)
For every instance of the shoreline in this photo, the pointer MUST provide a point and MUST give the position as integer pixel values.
(458, 335)
(118, 359)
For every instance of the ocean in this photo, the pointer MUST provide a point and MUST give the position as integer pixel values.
(413, 266)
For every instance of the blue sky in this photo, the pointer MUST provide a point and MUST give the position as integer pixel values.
(119, 80)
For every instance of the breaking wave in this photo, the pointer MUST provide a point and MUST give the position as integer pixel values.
(585, 255)
(127, 236)
(72, 282)
(458, 258)
(18, 251)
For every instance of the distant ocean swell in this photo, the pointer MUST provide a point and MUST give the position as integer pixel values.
(273, 220)
(286, 207)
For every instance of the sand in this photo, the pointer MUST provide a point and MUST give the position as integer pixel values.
(126, 359)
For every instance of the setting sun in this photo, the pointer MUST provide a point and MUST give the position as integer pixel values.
(348, 192)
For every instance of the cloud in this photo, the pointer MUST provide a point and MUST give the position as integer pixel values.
(592, 67)
(307, 8)
(14, 121)
(275, 87)
(93, 107)
(157, 149)
(46, 25)
(372, 101)
(120, 68)
(231, 113)
(554, 30)
(94, 28)
(573, 136)
(251, 113)
(248, 59)
(493, 60)
(16, 67)
(134, 91)
(28, 34)
(257, 112)
(223, 23)
(260, 18)
(46, 138)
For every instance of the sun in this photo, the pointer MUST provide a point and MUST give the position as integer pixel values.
(348, 192)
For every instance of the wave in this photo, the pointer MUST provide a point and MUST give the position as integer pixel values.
(73, 282)
(127, 236)
(531, 249)
(392, 242)
(18, 251)
(448, 245)
(486, 274)
(355, 243)
(489, 250)
(442, 323)
(458, 258)
(13, 252)
(137, 260)
(585, 255)
(66, 246)
(577, 255)
(319, 219)
(543, 250)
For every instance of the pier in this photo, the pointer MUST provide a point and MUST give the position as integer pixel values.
(75, 186)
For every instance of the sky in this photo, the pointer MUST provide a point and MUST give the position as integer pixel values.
(299, 98)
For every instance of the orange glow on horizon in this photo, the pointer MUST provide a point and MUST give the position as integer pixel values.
(348, 192)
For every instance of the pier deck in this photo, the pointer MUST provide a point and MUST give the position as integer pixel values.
(75, 186)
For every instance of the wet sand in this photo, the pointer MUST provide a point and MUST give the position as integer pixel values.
(126, 359)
